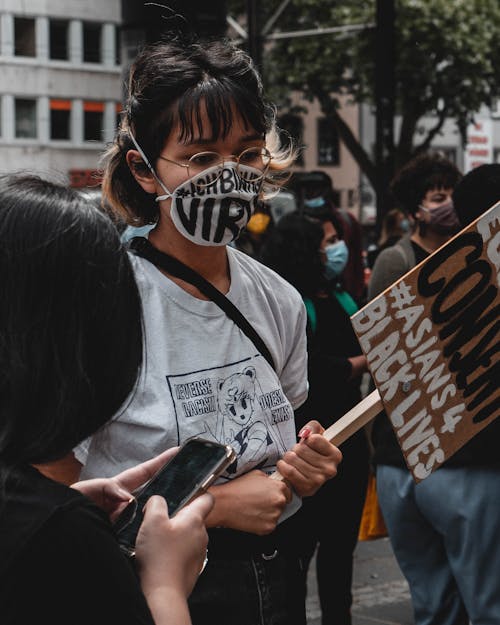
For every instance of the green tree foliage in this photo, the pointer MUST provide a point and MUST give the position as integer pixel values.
(446, 63)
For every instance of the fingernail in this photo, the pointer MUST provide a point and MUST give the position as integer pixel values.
(124, 495)
(304, 433)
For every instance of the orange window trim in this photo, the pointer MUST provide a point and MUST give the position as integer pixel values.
(60, 105)
(119, 107)
(93, 107)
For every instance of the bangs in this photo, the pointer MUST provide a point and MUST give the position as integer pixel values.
(222, 103)
(441, 180)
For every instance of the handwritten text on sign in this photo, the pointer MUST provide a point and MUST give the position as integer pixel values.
(432, 344)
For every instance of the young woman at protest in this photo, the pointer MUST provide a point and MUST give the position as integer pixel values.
(311, 254)
(67, 299)
(196, 149)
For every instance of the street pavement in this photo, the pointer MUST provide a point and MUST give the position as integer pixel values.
(381, 595)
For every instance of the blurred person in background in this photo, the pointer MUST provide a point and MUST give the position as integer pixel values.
(443, 530)
(311, 254)
(253, 236)
(319, 199)
(422, 189)
(395, 225)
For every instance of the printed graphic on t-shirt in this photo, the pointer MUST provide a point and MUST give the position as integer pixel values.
(239, 404)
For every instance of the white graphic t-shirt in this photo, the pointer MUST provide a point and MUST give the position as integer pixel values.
(203, 377)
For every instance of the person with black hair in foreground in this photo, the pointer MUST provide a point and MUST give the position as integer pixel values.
(311, 254)
(67, 300)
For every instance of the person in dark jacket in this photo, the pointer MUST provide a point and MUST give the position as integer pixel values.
(444, 530)
(311, 254)
(68, 299)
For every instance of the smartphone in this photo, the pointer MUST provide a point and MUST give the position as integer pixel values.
(197, 464)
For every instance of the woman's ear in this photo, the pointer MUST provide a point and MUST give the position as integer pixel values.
(418, 214)
(140, 171)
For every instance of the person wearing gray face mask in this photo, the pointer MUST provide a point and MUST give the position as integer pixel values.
(422, 189)
(444, 586)
(442, 219)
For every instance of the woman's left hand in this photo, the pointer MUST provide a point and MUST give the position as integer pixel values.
(113, 493)
(311, 462)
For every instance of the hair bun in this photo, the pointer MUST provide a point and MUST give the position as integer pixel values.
(133, 107)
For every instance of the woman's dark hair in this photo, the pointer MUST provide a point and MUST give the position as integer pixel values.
(332, 216)
(70, 320)
(422, 174)
(391, 226)
(476, 192)
(293, 251)
(173, 83)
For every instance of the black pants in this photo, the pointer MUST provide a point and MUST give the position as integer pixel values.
(331, 520)
(266, 589)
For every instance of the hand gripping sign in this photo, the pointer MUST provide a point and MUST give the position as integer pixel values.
(432, 345)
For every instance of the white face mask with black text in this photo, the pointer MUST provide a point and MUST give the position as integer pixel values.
(213, 207)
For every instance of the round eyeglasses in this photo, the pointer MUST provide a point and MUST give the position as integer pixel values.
(257, 158)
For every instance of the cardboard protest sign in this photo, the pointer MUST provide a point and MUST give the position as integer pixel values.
(431, 341)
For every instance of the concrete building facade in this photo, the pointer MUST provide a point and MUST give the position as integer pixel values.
(60, 86)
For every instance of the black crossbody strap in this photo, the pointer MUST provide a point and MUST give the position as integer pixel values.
(142, 247)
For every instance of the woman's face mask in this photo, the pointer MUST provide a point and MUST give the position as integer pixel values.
(216, 212)
(315, 202)
(337, 255)
(443, 219)
(212, 207)
(404, 224)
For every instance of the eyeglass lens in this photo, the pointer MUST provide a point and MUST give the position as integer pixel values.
(257, 158)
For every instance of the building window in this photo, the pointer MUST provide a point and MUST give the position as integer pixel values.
(449, 153)
(118, 46)
(58, 40)
(25, 112)
(291, 125)
(93, 117)
(24, 36)
(92, 52)
(60, 120)
(328, 143)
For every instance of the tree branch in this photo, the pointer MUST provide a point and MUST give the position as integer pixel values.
(357, 151)
(431, 134)
(406, 133)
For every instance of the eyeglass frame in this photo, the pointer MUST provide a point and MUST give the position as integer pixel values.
(223, 159)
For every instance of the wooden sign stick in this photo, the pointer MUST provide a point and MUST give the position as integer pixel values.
(362, 413)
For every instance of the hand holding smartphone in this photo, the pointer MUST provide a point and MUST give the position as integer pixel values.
(189, 473)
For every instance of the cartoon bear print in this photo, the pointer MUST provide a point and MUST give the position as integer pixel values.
(249, 438)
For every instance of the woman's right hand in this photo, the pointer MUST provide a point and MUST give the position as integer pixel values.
(170, 552)
(249, 503)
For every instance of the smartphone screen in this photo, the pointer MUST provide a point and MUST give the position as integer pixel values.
(191, 470)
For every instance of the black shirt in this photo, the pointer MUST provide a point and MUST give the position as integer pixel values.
(333, 341)
(59, 560)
